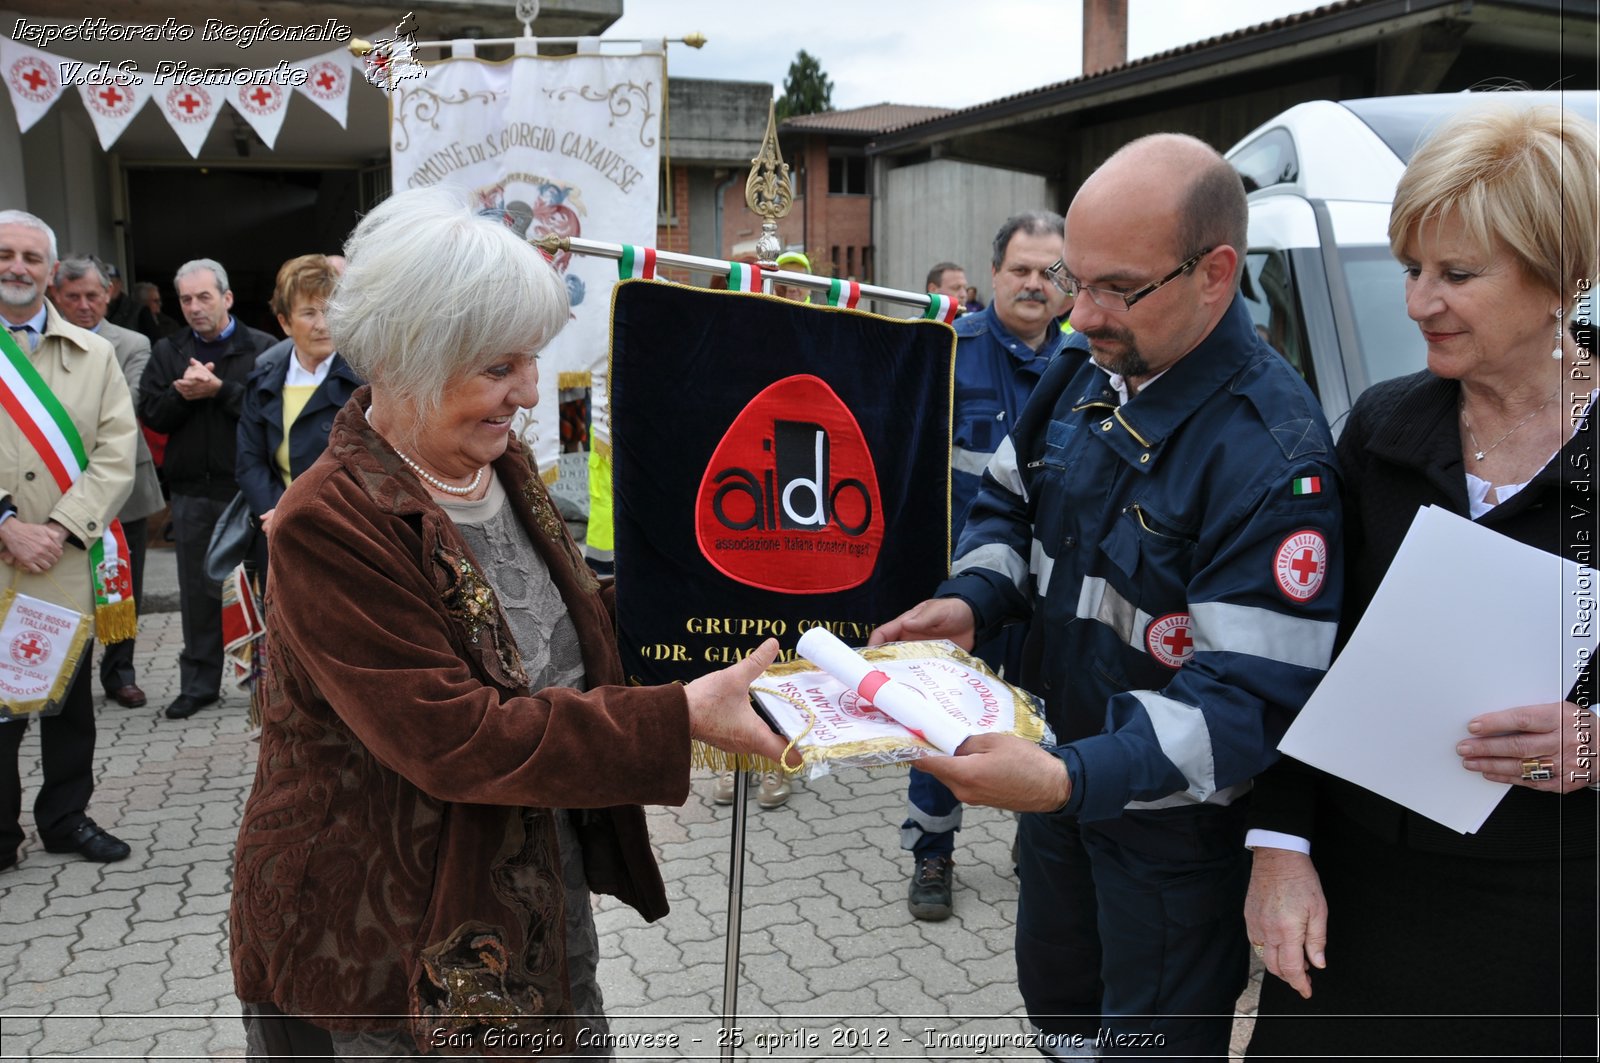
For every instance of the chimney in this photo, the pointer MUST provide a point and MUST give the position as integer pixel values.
(1105, 35)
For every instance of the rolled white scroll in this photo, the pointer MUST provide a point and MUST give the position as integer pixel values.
(905, 704)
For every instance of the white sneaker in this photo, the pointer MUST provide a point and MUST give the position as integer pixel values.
(722, 793)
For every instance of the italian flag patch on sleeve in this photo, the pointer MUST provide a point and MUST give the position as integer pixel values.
(1308, 485)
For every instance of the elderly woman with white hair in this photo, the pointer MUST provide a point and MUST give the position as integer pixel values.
(450, 761)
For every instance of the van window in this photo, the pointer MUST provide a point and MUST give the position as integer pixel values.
(1267, 160)
(1268, 289)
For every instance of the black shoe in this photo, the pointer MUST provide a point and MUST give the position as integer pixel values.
(91, 843)
(930, 896)
(183, 706)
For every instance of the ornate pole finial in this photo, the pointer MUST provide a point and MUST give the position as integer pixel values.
(767, 191)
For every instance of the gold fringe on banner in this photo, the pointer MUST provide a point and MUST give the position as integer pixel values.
(116, 622)
(574, 378)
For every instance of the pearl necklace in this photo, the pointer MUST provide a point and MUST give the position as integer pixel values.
(434, 481)
(428, 477)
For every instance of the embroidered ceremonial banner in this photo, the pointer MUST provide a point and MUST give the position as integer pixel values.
(777, 467)
(834, 704)
(41, 648)
(564, 146)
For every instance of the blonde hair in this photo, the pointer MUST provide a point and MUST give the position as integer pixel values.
(1519, 178)
(306, 278)
(433, 293)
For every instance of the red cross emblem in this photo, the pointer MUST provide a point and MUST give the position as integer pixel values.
(111, 96)
(1170, 639)
(189, 105)
(34, 80)
(327, 80)
(261, 96)
(1301, 565)
(30, 648)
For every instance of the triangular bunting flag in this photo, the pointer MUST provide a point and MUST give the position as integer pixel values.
(34, 78)
(191, 109)
(263, 106)
(744, 277)
(940, 308)
(637, 261)
(844, 293)
(112, 107)
(327, 83)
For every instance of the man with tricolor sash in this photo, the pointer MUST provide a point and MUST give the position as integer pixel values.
(67, 444)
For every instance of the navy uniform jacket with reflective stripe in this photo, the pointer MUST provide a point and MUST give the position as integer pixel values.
(995, 373)
(1164, 560)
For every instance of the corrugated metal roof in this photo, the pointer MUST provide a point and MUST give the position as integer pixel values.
(873, 118)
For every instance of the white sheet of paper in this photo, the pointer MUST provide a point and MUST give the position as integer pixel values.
(1466, 621)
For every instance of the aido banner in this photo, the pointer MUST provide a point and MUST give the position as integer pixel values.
(567, 145)
(777, 467)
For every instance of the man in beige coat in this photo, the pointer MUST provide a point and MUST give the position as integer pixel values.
(81, 292)
(44, 531)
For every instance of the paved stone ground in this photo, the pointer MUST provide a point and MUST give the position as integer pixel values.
(129, 961)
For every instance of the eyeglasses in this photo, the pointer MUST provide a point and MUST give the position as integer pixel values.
(1106, 298)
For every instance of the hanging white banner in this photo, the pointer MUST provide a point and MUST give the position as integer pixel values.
(34, 78)
(263, 106)
(113, 103)
(569, 146)
(191, 109)
(327, 83)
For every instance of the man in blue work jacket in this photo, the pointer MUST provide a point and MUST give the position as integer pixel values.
(1001, 352)
(1165, 519)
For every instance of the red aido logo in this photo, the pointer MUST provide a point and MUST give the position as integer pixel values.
(789, 501)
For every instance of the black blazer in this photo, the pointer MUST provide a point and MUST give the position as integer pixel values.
(1400, 451)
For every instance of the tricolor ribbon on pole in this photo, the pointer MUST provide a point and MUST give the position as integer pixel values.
(44, 423)
(637, 262)
(844, 293)
(940, 308)
(744, 277)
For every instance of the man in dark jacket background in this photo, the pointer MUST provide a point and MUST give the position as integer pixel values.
(192, 390)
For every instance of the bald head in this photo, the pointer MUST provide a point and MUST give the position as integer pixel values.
(1163, 222)
(1184, 182)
